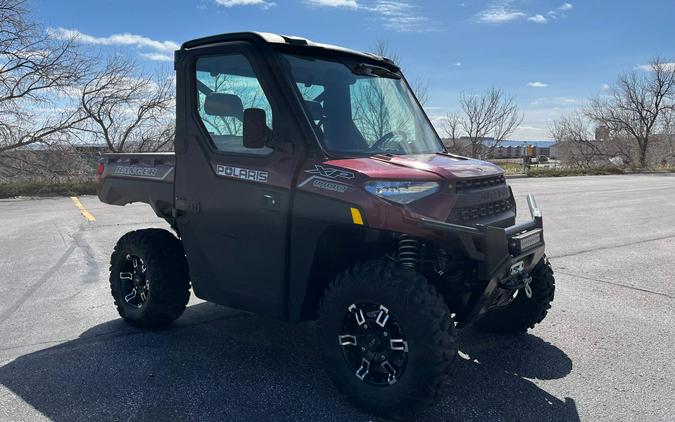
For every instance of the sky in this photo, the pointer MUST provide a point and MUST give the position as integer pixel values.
(550, 55)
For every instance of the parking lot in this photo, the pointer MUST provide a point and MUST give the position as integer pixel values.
(604, 353)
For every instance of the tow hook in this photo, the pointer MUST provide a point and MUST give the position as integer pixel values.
(518, 279)
(527, 288)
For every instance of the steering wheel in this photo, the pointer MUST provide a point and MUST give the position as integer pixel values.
(387, 137)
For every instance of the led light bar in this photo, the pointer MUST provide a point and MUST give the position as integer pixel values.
(524, 241)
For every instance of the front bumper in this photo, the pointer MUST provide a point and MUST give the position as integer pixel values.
(497, 250)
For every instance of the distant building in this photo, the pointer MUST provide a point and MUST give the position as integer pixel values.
(90, 148)
(508, 152)
(601, 133)
(554, 151)
(506, 149)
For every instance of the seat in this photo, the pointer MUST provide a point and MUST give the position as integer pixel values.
(224, 105)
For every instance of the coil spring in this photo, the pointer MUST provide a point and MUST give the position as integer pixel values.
(407, 251)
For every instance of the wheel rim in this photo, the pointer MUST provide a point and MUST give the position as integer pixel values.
(135, 285)
(373, 344)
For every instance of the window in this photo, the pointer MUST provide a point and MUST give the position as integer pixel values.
(226, 86)
(378, 108)
(362, 108)
(313, 98)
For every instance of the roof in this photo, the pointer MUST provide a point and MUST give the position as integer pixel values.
(276, 39)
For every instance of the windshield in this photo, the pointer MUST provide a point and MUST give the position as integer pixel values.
(363, 110)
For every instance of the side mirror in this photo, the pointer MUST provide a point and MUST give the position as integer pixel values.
(256, 132)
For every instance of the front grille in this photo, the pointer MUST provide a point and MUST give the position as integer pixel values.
(464, 214)
(483, 182)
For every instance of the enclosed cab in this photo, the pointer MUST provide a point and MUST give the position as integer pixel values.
(308, 183)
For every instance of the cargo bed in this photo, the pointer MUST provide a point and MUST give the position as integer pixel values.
(138, 177)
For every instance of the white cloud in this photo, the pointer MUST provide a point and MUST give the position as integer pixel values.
(398, 15)
(537, 84)
(521, 127)
(115, 39)
(648, 67)
(234, 3)
(537, 19)
(457, 64)
(556, 101)
(350, 4)
(157, 57)
(265, 4)
(500, 13)
(604, 87)
(559, 12)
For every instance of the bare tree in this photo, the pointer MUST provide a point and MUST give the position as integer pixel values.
(637, 102)
(575, 137)
(382, 49)
(419, 86)
(668, 125)
(452, 130)
(486, 120)
(251, 96)
(127, 110)
(37, 75)
(59, 163)
(452, 125)
(377, 110)
(371, 115)
(421, 89)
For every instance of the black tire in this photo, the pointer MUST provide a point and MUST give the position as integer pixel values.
(523, 312)
(424, 320)
(166, 270)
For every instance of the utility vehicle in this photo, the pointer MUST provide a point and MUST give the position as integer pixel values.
(307, 183)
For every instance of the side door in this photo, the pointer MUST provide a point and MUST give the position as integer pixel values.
(232, 202)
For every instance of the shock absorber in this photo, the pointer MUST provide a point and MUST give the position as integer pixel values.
(408, 251)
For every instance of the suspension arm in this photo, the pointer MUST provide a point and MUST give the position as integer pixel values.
(496, 250)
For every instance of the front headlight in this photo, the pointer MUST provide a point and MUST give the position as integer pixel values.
(401, 192)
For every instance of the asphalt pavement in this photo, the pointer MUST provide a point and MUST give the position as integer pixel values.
(605, 352)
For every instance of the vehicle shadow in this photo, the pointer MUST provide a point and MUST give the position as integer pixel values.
(219, 364)
(492, 381)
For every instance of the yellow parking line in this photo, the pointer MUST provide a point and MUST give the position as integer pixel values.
(86, 214)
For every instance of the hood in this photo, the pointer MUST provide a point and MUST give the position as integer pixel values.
(418, 167)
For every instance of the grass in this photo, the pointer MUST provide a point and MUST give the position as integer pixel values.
(590, 171)
(511, 168)
(10, 190)
(572, 171)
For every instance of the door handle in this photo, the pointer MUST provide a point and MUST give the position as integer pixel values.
(270, 202)
(183, 204)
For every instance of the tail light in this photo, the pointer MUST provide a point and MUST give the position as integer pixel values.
(99, 170)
